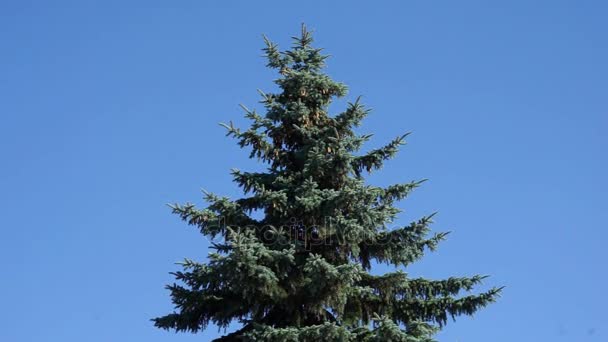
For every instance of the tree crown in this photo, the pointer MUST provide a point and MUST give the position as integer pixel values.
(301, 272)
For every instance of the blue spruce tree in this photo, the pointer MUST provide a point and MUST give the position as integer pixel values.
(301, 272)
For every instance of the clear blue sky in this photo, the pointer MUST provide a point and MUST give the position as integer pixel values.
(110, 108)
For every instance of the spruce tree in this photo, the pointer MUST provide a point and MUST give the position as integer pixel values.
(301, 272)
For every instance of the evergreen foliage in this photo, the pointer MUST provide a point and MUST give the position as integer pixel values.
(301, 273)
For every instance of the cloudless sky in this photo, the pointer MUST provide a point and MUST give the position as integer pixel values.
(109, 110)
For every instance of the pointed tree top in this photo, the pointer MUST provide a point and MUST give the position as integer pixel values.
(305, 38)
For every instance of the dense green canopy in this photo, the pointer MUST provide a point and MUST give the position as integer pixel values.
(301, 272)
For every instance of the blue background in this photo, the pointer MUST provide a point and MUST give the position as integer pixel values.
(109, 110)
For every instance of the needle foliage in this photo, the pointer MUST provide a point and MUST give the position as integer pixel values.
(301, 272)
